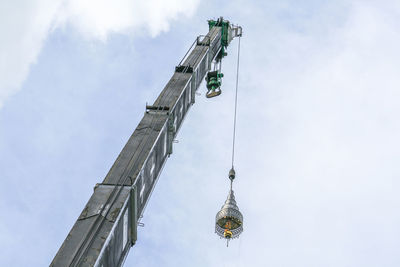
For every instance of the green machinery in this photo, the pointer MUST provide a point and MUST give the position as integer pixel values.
(214, 78)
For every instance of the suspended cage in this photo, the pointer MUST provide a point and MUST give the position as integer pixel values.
(229, 220)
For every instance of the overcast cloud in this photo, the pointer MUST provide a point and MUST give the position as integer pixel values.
(26, 24)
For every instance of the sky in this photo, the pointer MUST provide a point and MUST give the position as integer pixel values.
(317, 134)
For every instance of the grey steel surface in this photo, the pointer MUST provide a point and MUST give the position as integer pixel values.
(106, 228)
(96, 208)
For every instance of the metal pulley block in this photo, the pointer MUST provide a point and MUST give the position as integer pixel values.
(213, 80)
(232, 174)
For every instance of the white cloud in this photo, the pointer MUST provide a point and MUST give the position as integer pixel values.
(97, 18)
(25, 25)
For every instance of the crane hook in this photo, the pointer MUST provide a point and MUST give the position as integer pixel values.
(213, 80)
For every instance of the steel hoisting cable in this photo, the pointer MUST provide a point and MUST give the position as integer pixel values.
(236, 96)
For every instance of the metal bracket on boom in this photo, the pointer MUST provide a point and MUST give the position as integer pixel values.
(134, 215)
(170, 133)
(184, 69)
(155, 109)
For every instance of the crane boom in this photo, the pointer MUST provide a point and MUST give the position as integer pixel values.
(107, 226)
